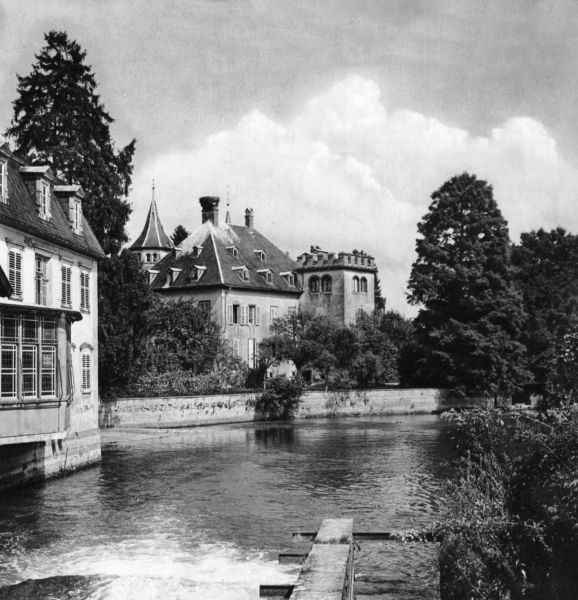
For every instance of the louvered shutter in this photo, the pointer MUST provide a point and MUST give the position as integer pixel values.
(66, 293)
(245, 314)
(86, 372)
(15, 271)
(236, 343)
(257, 315)
(230, 314)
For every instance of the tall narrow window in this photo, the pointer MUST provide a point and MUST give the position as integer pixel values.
(85, 291)
(326, 284)
(76, 216)
(15, 272)
(273, 314)
(66, 292)
(356, 284)
(86, 366)
(41, 280)
(8, 370)
(363, 284)
(314, 285)
(236, 347)
(3, 181)
(45, 201)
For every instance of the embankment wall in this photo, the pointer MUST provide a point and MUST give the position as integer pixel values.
(238, 408)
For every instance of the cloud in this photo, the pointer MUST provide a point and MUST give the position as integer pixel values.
(345, 173)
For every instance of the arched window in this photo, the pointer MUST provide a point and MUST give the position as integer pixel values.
(356, 284)
(363, 285)
(86, 370)
(326, 284)
(314, 285)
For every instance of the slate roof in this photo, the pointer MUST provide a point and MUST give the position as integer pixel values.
(153, 235)
(225, 250)
(20, 212)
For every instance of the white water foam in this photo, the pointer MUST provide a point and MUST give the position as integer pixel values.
(158, 568)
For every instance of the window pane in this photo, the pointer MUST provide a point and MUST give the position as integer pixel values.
(9, 328)
(29, 371)
(8, 371)
(48, 373)
(48, 329)
(29, 329)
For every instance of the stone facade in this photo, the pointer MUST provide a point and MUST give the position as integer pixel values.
(339, 285)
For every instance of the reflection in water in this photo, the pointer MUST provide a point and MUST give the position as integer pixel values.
(203, 512)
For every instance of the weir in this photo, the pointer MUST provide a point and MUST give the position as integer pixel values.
(328, 568)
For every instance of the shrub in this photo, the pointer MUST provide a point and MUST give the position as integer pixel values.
(281, 398)
(511, 528)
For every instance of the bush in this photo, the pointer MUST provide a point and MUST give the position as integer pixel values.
(511, 528)
(281, 398)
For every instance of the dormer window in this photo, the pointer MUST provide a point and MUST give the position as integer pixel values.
(152, 275)
(267, 274)
(75, 215)
(197, 272)
(45, 200)
(233, 250)
(289, 277)
(196, 251)
(242, 272)
(3, 181)
(172, 276)
(261, 255)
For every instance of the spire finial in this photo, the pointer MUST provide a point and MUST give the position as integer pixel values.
(153, 189)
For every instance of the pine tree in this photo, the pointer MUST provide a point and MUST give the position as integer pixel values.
(59, 120)
(179, 234)
(378, 295)
(471, 318)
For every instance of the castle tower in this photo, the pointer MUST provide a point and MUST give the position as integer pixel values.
(153, 243)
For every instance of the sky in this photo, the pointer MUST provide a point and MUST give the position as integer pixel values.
(334, 120)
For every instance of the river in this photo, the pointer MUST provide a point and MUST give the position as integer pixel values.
(203, 512)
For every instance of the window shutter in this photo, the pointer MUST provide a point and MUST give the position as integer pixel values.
(245, 314)
(257, 315)
(230, 314)
(15, 271)
(86, 372)
(236, 346)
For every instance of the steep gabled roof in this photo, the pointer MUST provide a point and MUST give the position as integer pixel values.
(226, 256)
(20, 211)
(153, 235)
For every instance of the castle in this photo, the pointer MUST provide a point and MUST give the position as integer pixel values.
(246, 282)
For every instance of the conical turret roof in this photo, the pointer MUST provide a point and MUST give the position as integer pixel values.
(153, 235)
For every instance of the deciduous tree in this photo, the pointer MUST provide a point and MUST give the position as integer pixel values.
(471, 317)
(546, 272)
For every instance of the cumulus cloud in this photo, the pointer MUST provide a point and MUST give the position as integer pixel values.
(345, 173)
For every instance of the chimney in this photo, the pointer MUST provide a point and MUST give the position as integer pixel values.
(249, 217)
(210, 209)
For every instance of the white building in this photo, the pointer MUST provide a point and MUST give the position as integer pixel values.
(48, 325)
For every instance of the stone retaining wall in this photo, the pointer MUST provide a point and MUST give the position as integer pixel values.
(239, 408)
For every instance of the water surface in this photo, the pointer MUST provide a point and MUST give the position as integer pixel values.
(203, 512)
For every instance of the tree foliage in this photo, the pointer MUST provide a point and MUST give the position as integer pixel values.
(471, 317)
(546, 272)
(511, 523)
(361, 353)
(59, 119)
(181, 336)
(179, 234)
(124, 300)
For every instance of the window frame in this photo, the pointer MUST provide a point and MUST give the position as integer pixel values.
(363, 285)
(86, 371)
(326, 284)
(31, 339)
(41, 279)
(314, 284)
(4, 181)
(45, 200)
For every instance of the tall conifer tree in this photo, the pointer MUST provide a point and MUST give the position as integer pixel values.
(471, 316)
(59, 120)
